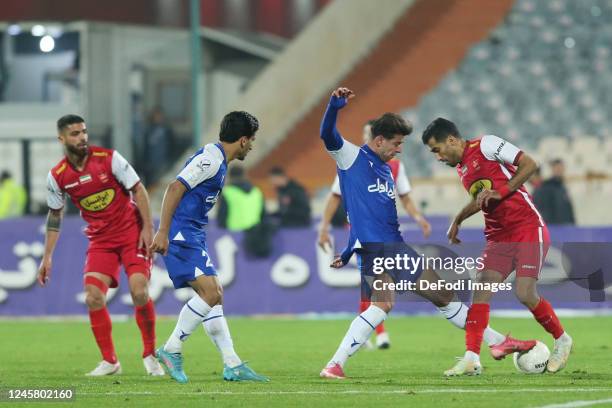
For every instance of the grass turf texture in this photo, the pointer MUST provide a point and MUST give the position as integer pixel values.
(41, 354)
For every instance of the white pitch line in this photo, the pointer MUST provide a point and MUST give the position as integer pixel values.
(577, 404)
(358, 392)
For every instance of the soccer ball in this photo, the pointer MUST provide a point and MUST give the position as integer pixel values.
(533, 361)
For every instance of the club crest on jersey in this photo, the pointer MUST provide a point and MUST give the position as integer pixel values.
(98, 201)
(379, 187)
(479, 185)
(86, 178)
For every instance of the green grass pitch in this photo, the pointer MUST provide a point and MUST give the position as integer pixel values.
(42, 354)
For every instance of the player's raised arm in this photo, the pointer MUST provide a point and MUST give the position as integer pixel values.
(330, 135)
(172, 197)
(498, 149)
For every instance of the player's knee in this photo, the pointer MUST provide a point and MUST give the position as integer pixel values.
(385, 306)
(214, 297)
(140, 296)
(95, 299)
(527, 297)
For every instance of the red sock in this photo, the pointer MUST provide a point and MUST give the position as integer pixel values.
(145, 318)
(545, 315)
(102, 331)
(363, 305)
(475, 325)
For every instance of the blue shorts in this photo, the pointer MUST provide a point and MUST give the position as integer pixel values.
(185, 264)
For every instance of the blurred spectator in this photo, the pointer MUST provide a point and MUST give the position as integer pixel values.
(552, 198)
(293, 201)
(242, 204)
(157, 139)
(13, 197)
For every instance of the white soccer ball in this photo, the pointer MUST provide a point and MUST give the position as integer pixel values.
(533, 361)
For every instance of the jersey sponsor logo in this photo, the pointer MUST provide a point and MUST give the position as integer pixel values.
(71, 185)
(100, 154)
(379, 187)
(212, 199)
(474, 144)
(98, 201)
(86, 178)
(203, 164)
(479, 185)
(499, 149)
(103, 177)
(61, 169)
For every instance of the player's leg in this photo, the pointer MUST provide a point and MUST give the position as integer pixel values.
(138, 269)
(530, 259)
(363, 306)
(361, 328)
(96, 287)
(453, 309)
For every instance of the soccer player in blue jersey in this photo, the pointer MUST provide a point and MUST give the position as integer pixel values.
(368, 191)
(181, 238)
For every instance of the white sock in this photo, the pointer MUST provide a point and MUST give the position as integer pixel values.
(192, 314)
(456, 313)
(359, 332)
(471, 356)
(216, 328)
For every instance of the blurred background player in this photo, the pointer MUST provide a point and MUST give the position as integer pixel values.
(115, 205)
(13, 197)
(181, 238)
(493, 172)
(334, 202)
(369, 194)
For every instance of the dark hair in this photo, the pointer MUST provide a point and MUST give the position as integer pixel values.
(276, 171)
(5, 175)
(440, 129)
(236, 172)
(237, 124)
(389, 125)
(370, 122)
(68, 120)
(556, 161)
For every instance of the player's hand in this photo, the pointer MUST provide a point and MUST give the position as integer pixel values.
(146, 239)
(337, 263)
(160, 243)
(425, 227)
(485, 196)
(452, 233)
(44, 271)
(324, 241)
(342, 96)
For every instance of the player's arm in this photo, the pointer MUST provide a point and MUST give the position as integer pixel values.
(127, 176)
(470, 209)
(55, 201)
(331, 206)
(330, 135)
(495, 148)
(172, 197)
(411, 209)
(141, 198)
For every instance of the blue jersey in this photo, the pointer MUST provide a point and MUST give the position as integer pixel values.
(203, 176)
(366, 184)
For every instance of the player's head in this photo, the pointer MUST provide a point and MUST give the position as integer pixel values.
(5, 175)
(239, 128)
(367, 131)
(72, 133)
(557, 168)
(277, 177)
(444, 140)
(388, 132)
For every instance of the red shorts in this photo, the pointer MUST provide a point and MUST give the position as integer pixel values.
(523, 249)
(106, 255)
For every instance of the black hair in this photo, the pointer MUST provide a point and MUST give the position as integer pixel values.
(68, 120)
(276, 171)
(237, 124)
(391, 124)
(440, 129)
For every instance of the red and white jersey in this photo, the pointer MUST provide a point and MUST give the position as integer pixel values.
(100, 191)
(488, 163)
(398, 171)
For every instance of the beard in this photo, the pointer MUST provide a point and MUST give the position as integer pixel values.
(78, 150)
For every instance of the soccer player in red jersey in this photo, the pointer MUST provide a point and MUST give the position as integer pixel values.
(493, 172)
(115, 205)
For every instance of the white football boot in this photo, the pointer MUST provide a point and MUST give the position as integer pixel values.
(105, 368)
(152, 366)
